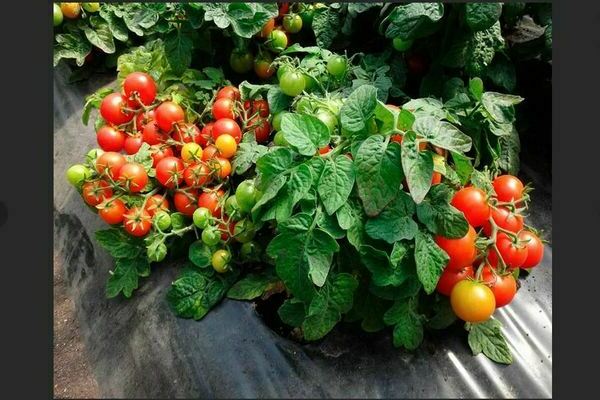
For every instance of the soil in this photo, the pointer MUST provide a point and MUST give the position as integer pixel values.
(73, 376)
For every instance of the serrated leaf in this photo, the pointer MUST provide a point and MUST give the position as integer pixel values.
(358, 108)
(500, 106)
(252, 286)
(408, 328)
(417, 166)
(487, 337)
(305, 132)
(441, 218)
(200, 254)
(479, 16)
(430, 261)
(336, 182)
(292, 312)
(414, 20)
(124, 279)
(383, 272)
(395, 222)
(119, 244)
(178, 51)
(442, 134)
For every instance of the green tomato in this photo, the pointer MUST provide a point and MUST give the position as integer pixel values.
(292, 23)
(307, 14)
(337, 66)
(245, 195)
(78, 173)
(93, 155)
(244, 231)
(201, 217)
(282, 70)
(177, 221)
(311, 83)
(279, 140)
(232, 208)
(401, 44)
(211, 236)
(91, 7)
(250, 251)
(162, 220)
(57, 15)
(241, 61)
(276, 123)
(292, 83)
(159, 254)
(304, 106)
(220, 261)
(278, 40)
(328, 119)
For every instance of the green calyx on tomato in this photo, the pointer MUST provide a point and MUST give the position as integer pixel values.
(244, 231)
(162, 220)
(220, 261)
(232, 208)
(211, 236)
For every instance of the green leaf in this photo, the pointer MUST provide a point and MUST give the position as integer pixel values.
(330, 225)
(278, 101)
(358, 108)
(119, 244)
(178, 50)
(333, 299)
(326, 26)
(115, 24)
(140, 18)
(395, 222)
(292, 312)
(200, 254)
(93, 101)
(269, 193)
(383, 272)
(441, 218)
(144, 157)
(414, 20)
(430, 261)
(369, 309)
(427, 107)
(479, 16)
(70, 45)
(476, 87)
(336, 182)
(481, 48)
(487, 337)
(249, 151)
(462, 166)
(272, 164)
(408, 328)
(252, 286)
(443, 315)
(349, 214)
(299, 183)
(502, 72)
(417, 166)
(483, 181)
(124, 279)
(442, 134)
(378, 173)
(500, 106)
(509, 155)
(99, 34)
(195, 292)
(305, 132)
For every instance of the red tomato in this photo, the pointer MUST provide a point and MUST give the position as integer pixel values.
(535, 249)
(95, 192)
(436, 178)
(111, 109)
(187, 133)
(228, 92)
(508, 188)
(185, 201)
(196, 175)
(504, 288)
(206, 134)
(325, 150)
(229, 126)
(156, 203)
(159, 152)
(450, 277)
(169, 172)
(167, 114)
(226, 230)
(397, 138)
(267, 28)
(110, 162)
(143, 118)
(110, 139)
(112, 211)
(223, 108)
(488, 274)
(222, 166)
(461, 251)
(140, 85)
(283, 9)
(209, 153)
(133, 176)
(133, 143)
(152, 135)
(211, 201)
(261, 107)
(473, 203)
(513, 254)
(137, 222)
(505, 219)
(261, 128)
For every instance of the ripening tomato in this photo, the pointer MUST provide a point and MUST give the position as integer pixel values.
(191, 152)
(505, 219)
(133, 143)
(222, 166)
(292, 23)
(206, 134)
(228, 92)
(278, 41)
(397, 138)
(450, 277)
(133, 176)
(159, 152)
(461, 251)
(514, 254)
(535, 249)
(110, 139)
(508, 188)
(139, 87)
(152, 135)
(185, 201)
(223, 108)
(137, 222)
(157, 203)
(111, 109)
(473, 203)
(169, 172)
(187, 133)
(267, 28)
(70, 10)
(226, 145)
(261, 107)
(211, 201)
(263, 68)
(324, 150)
(196, 175)
(436, 178)
(472, 301)
(228, 126)
(283, 9)
(504, 288)
(94, 193)
(167, 114)
(209, 153)
(261, 128)
(112, 211)
(110, 162)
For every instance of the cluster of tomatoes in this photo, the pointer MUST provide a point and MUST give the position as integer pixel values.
(479, 275)
(71, 11)
(190, 166)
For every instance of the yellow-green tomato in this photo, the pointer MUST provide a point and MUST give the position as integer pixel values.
(162, 220)
(77, 174)
(220, 261)
(244, 231)
(91, 7)
(57, 15)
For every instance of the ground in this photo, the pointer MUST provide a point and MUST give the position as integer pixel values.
(73, 377)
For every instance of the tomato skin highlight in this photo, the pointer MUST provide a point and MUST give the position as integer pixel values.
(141, 84)
(111, 109)
(267, 29)
(156, 203)
(261, 128)
(151, 134)
(450, 277)
(226, 145)
(462, 251)
(159, 152)
(472, 301)
(167, 114)
(535, 249)
(210, 200)
(473, 203)
(112, 212)
(110, 139)
(228, 92)
(508, 188)
(505, 219)
(133, 143)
